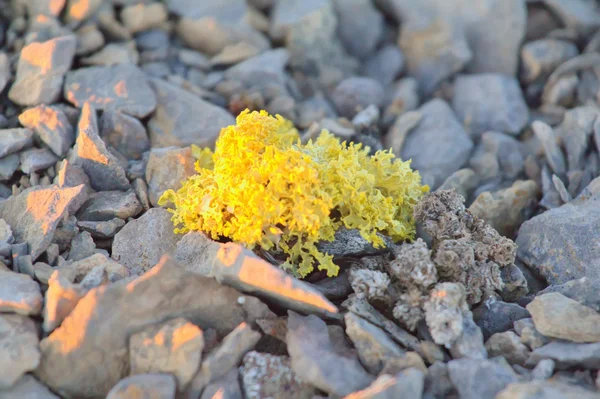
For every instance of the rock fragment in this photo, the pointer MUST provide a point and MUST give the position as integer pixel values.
(167, 169)
(102, 167)
(36, 159)
(354, 94)
(51, 126)
(41, 70)
(567, 355)
(14, 140)
(27, 387)
(61, 298)
(480, 379)
(19, 343)
(545, 389)
(142, 17)
(155, 386)
(508, 345)
(407, 384)
(19, 294)
(107, 205)
(125, 133)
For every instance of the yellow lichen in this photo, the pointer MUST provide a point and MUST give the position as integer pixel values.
(262, 187)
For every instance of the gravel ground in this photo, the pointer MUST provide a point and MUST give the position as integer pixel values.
(496, 102)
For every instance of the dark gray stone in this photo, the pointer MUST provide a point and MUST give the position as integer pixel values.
(584, 290)
(495, 316)
(106, 205)
(14, 140)
(35, 159)
(480, 379)
(361, 35)
(8, 166)
(123, 87)
(567, 355)
(385, 65)
(488, 101)
(354, 94)
(125, 133)
(439, 145)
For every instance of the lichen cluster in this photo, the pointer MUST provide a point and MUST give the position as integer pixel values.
(437, 285)
(263, 187)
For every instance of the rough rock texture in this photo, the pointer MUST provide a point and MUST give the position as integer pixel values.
(141, 243)
(35, 213)
(155, 386)
(52, 127)
(19, 343)
(166, 169)
(557, 316)
(19, 294)
(480, 379)
(106, 316)
(567, 355)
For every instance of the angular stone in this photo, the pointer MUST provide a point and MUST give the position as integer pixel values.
(70, 175)
(490, 102)
(583, 290)
(14, 140)
(557, 316)
(106, 316)
(228, 387)
(262, 71)
(361, 35)
(174, 347)
(315, 360)
(497, 316)
(8, 166)
(35, 213)
(182, 119)
(61, 298)
(52, 127)
(102, 230)
(560, 244)
(480, 379)
(41, 70)
(385, 65)
(113, 54)
(528, 333)
(27, 388)
(545, 389)
(354, 94)
(268, 376)
(107, 205)
(374, 346)
(438, 146)
(114, 270)
(19, 343)
(36, 159)
(568, 355)
(508, 345)
(141, 17)
(151, 386)
(78, 11)
(167, 169)
(407, 384)
(142, 242)
(82, 246)
(19, 294)
(238, 267)
(89, 39)
(540, 57)
(224, 358)
(505, 210)
(90, 152)
(5, 72)
(125, 133)
(123, 87)
(196, 253)
(579, 15)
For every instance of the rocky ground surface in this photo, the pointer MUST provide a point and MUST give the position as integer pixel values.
(100, 101)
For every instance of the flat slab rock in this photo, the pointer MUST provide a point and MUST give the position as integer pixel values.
(87, 355)
(19, 294)
(35, 213)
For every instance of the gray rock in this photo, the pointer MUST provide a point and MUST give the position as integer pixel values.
(123, 87)
(559, 244)
(401, 97)
(142, 17)
(36, 159)
(89, 39)
(508, 151)
(545, 389)
(102, 167)
(195, 252)
(14, 140)
(479, 379)
(224, 358)
(464, 181)
(437, 381)
(228, 387)
(160, 349)
(142, 242)
(8, 166)
(407, 384)
(355, 94)
(262, 71)
(580, 15)
(107, 205)
(385, 65)
(19, 342)
(51, 126)
(575, 131)
(529, 335)
(543, 370)
(469, 344)
(77, 13)
(119, 310)
(71, 175)
(359, 36)
(141, 191)
(583, 290)
(489, 102)
(5, 73)
(374, 346)
(155, 386)
(82, 246)
(557, 316)
(41, 70)
(61, 297)
(125, 133)
(438, 146)
(539, 58)
(505, 210)
(507, 344)
(315, 360)
(516, 284)
(19, 294)
(27, 388)
(568, 355)
(349, 242)
(268, 376)
(113, 54)
(554, 156)
(167, 169)
(65, 232)
(35, 213)
(290, 12)
(102, 229)
(182, 118)
(495, 316)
